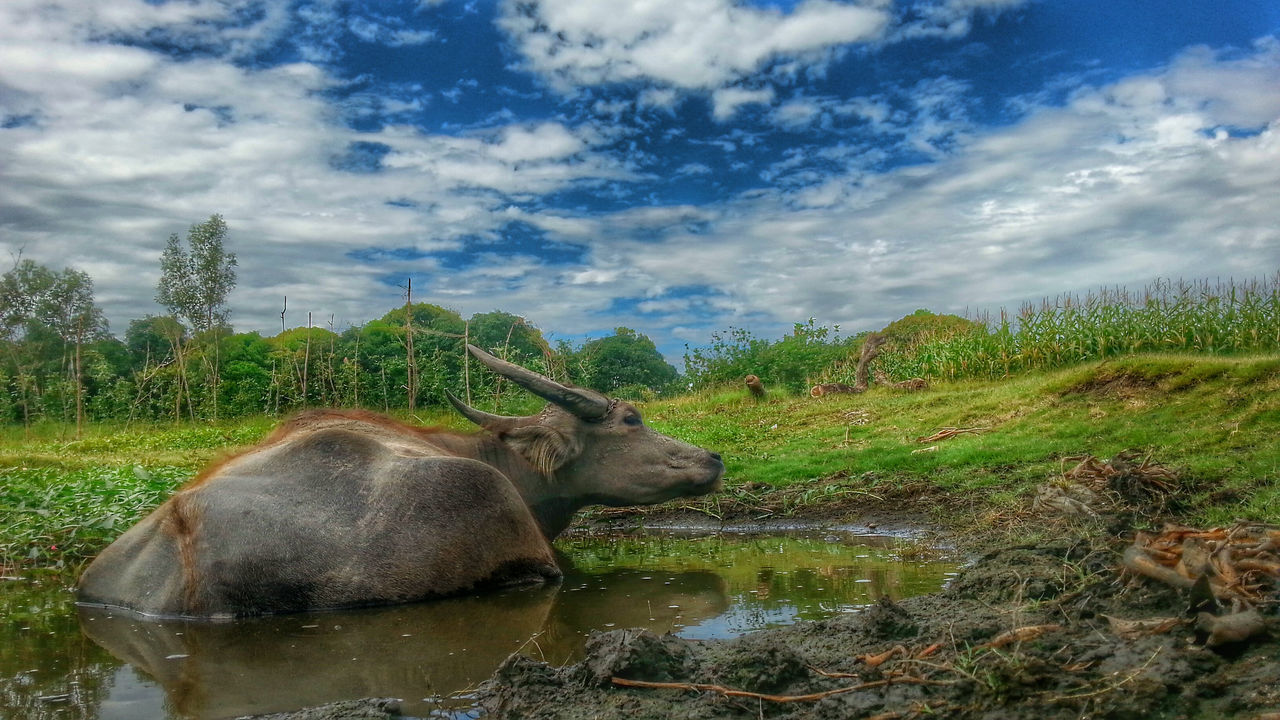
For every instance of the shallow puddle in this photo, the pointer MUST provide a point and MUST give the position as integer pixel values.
(59, 661)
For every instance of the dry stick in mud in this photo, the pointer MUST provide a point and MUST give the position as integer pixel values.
(729, 692)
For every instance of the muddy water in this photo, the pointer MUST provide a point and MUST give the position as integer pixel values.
(59, 661)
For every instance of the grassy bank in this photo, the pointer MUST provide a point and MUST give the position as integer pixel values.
(1213, 421)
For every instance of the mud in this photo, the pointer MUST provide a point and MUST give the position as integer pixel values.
(1039, 632)
(363, 709)
(1024, 632)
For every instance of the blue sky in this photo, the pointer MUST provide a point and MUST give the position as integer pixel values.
(675, 167)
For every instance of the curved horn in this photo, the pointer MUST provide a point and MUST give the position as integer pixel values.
(480, 417)
(585, 405)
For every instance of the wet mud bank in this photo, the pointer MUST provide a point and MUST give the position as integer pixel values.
(1055, 630)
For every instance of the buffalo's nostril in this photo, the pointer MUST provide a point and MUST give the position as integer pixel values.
(715, 456)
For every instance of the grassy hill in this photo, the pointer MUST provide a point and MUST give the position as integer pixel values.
(1214, 422)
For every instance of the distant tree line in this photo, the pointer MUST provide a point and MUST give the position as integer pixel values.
(60, 362)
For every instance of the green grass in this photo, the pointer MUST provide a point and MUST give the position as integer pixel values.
(1213, 420)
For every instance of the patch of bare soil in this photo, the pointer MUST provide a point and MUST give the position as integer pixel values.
(1059, 630)
(1117, 385)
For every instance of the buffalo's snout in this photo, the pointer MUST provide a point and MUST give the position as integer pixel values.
(712, 480)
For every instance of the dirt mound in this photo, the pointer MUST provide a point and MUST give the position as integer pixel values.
(1036, 632)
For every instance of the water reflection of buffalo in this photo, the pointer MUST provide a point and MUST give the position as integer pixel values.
(261, 665)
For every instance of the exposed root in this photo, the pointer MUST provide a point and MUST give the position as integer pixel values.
(1240, 564)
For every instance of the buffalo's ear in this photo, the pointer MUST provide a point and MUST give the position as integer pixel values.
(546, 449)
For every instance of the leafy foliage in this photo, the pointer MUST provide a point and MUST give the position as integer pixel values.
(194, 283)
(625, 359)
(792, 362)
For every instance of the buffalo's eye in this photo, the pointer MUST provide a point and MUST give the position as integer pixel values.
(632, 420)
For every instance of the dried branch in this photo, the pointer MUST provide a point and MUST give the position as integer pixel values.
(729, 692)
(950, 432)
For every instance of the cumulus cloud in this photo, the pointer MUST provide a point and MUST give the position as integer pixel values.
(670, 48)
(1126, 180)
(702, 44)
(108, 145)
(107, 148)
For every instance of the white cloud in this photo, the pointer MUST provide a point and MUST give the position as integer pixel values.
(659, 98)
(949, 18)
(691, 44)
(725, 102)
(123, 146)
(387, 32)
(117, 146)
(1126, 182)
(548, 141)
(693, 169)
(796, 113)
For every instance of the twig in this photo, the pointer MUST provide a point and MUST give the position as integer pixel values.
(831, 673)
(729, 692)
(1022, 634)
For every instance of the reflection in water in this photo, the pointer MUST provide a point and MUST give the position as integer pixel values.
(261, 665)
(699, 587)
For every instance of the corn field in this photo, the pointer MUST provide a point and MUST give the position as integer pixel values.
(1219, 317)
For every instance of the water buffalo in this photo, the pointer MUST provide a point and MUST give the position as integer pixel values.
(346, 508)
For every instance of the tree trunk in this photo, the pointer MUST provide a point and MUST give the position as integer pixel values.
(79, 380)
(184, 385)
(411, 369)
(870, 351)
(355, 367)
(386, 404)
(306, 361)
(217, 371)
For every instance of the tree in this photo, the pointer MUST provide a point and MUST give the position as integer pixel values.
(46, 315)
(510, 336)
(148, 340)
(70, 312)
(624, 359)
(20, 290)
(923, 325)
(437, 349)
(194, 285)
